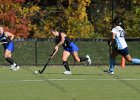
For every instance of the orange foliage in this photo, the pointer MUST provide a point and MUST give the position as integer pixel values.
(15, 18)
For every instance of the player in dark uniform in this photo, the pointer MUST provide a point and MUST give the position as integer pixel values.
(6, 40)
(69, 48)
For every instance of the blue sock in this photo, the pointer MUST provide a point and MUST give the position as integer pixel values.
(135, 61)
(112, 64)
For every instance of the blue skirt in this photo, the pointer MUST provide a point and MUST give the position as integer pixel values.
(9, 46)
(72, 48)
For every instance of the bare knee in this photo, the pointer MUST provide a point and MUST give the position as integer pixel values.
(129, 60)
(76, 58)
(5, 56)
(64, 58)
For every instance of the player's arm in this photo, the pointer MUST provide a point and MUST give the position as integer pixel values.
(10, 35)
(112, 39)
(63, 35)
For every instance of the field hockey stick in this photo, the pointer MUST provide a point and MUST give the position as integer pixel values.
(110, 47)
(52, 55)
(3, 42)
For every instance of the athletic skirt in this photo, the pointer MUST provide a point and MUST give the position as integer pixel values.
(9, 46)
(72, 48)
(124, 51)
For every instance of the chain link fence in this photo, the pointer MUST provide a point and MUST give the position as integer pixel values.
(36, 52)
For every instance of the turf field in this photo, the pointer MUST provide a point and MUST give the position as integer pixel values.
(86, 83)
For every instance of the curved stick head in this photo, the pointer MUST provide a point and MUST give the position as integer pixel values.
(40, 72)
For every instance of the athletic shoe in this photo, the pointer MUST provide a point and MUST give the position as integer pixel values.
(67, 72)
(89, 60)
(15, 68)
(110, 72)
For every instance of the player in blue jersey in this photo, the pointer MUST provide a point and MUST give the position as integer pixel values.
(6, 40)
(118, 45)
(70, 48)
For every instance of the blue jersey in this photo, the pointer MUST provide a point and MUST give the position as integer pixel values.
(68, 45)
(9, 45)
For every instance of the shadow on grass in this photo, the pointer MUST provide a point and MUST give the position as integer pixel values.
(88, 74)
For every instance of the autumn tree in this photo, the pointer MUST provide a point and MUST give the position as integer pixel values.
(15, 17)
(68, 16)
(77, 19)
(101, 13)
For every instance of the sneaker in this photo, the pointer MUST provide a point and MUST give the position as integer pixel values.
(110, 72)
(67, 72)
(15, 68)
(89, 60)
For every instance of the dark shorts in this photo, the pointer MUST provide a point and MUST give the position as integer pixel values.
(124, 51)
(9, 46)
(72, 48)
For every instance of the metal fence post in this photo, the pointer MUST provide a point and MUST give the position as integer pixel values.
(35, 52)
(74, 59)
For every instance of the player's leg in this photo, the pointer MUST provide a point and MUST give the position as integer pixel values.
(127, 56)
(8, 56)
(132, 60)
(65, 56)
(74, 52)
(112, 61)
(81, 59)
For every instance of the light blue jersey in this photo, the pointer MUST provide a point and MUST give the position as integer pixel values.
(119, 37)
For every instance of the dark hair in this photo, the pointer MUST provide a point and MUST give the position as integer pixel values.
(52, 29)
(117, 21)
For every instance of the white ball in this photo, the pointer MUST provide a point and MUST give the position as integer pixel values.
(36, 72)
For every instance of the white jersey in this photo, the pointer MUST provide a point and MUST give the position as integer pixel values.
(119, 37)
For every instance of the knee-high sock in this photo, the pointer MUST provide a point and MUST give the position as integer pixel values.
(10, 60)
(83, 59)
(66, 65)
(135, 61)
(111, 64)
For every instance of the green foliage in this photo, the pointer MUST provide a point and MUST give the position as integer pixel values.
(105, 11)
(71, 20)
(133, 22)
(77, 18)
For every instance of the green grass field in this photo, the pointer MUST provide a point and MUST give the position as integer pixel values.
(86, 83)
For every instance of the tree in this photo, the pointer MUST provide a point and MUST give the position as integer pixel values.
(15, 17)
(77, 19)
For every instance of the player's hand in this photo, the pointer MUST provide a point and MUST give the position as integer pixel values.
(56, 48)
(3, 42)
(109, 43)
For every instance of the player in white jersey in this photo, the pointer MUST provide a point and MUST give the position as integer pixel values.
(119, 37)
(118, 45)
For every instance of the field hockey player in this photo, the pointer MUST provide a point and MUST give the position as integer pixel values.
(6, 40)
(70, 48)
(119, 45)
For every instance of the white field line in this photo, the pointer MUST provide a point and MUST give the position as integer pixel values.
(42, 80)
